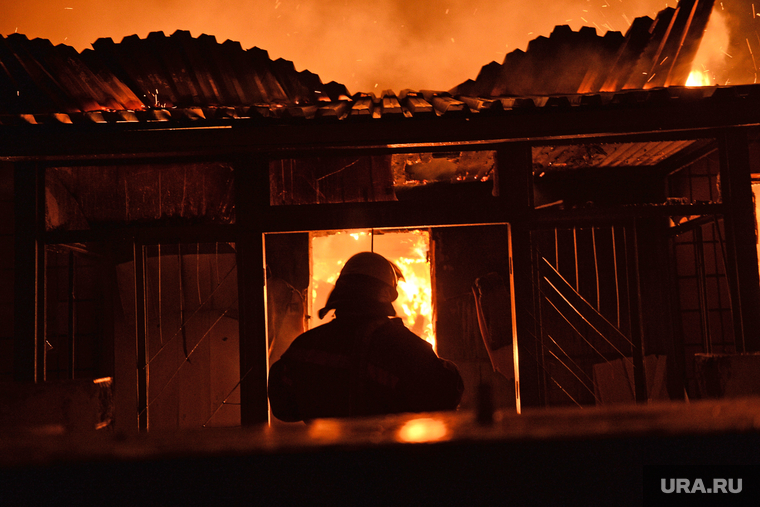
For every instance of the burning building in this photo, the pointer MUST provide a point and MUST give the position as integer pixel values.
(581, 226)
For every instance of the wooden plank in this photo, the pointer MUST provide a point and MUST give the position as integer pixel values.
(637, 331)
(29, 274)
(389, 214)
(514, 166)
(141, 339)
(739, 220)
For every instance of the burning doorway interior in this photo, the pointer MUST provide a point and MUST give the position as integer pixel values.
(408, 249)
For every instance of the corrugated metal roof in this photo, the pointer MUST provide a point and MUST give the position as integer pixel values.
(185, 78)
(652, 54)
(161, 83)
(386, 106)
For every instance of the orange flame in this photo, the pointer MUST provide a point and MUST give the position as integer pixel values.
(712, 51)
(407, 249)
(698, 78)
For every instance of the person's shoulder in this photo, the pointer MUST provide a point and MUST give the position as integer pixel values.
(396, 328)
(313, 335)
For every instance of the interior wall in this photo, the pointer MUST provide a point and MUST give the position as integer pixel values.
(461, 256)
(700, 295)
(287, 260)
(192, 337)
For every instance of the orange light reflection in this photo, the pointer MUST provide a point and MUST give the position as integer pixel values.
(326, 430)
(423, 429)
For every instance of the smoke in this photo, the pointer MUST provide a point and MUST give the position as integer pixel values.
(368, 46)
(741, 52)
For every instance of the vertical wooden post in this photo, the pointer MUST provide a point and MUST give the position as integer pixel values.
(741, 250)
(141, 336)
(251, 202)
(634, 301)
(514, 163)
(71, 324)
(29, 273)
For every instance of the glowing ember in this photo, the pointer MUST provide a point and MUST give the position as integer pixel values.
(407, 249)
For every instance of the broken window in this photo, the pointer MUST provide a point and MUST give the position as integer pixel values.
(406, 176)
(604, 175)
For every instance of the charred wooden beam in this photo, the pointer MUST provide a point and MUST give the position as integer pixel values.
(251, 199)
(514, 166)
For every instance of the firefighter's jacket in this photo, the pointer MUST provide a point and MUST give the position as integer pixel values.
(359, 366)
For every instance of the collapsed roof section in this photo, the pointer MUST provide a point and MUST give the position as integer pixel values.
(653, 53)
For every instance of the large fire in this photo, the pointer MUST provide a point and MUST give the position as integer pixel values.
(709, 61)
(698, 78)
(409, 250)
